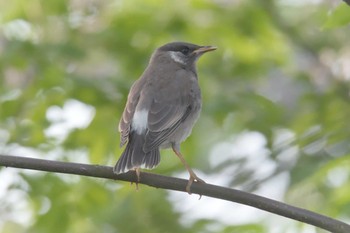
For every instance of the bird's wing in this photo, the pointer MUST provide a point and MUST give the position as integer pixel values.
(129, 110)
(162, 124)
(163, 115)
(170, 107)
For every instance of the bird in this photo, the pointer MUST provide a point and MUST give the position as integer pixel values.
(161, 109)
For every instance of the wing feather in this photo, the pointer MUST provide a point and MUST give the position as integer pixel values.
(170, 107)
(129, 110)
(155, 138)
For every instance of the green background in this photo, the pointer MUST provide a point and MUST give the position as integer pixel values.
(275, 117)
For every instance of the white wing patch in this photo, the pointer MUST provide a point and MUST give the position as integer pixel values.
(175, 56)
(140, 121)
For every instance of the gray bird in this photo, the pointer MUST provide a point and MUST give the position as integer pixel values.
(162, 107)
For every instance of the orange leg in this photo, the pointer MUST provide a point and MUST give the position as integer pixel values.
(193, 176)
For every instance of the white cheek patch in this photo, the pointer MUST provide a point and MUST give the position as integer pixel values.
(176, 57)
(139, 121)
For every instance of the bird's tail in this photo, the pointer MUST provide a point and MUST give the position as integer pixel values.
(134, 156)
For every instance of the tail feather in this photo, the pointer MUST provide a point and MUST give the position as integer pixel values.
(151, 160)
(134, 156)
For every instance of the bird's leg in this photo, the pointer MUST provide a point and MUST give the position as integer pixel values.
(193, 176)
(137, 171)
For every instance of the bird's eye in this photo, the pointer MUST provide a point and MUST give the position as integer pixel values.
(185, 50)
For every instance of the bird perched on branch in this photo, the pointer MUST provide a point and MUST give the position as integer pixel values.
(162, 107)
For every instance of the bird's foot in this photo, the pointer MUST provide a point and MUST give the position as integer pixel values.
(193, 178)
(137, 172)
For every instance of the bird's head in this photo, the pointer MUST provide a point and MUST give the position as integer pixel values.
(182, 53)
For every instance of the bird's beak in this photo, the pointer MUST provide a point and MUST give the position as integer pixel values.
(204, 49)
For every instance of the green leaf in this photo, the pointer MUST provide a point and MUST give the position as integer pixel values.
(339, 17)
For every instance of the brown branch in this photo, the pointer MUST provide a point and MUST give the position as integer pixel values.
(171, 183)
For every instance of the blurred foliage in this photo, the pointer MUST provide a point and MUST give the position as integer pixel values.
(281, 72)
(338, 17)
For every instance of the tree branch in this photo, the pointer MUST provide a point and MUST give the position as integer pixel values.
(171, 183)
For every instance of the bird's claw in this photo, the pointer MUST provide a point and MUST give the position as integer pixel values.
(190, 182)
(137, 172)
